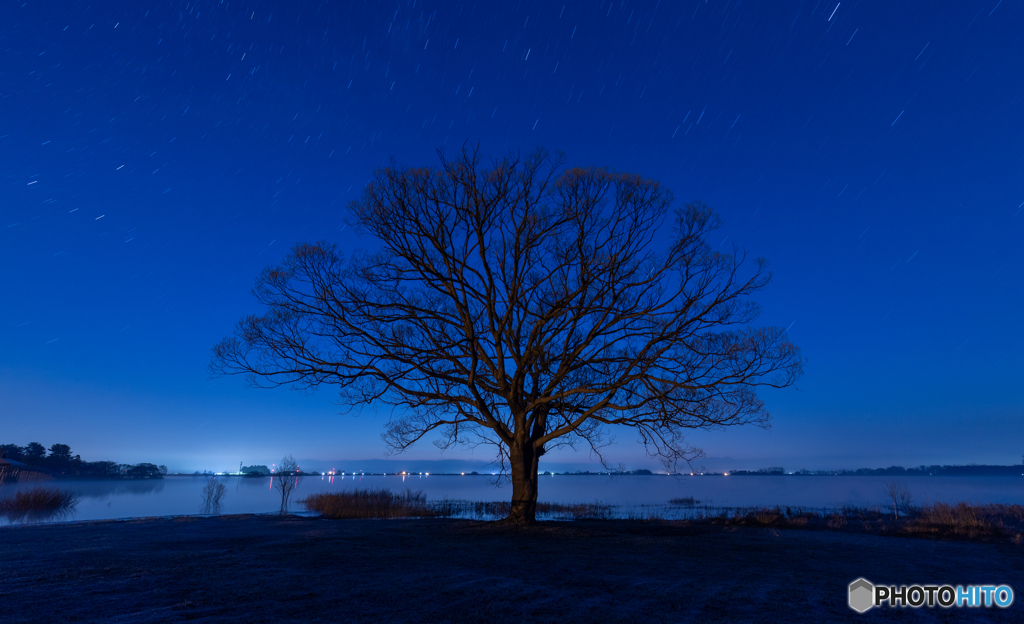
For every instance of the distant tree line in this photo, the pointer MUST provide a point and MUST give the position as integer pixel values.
(639, 472)
(60, 461)
(971, 470)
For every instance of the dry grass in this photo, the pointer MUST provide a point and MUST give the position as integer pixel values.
(386, 504)
(960, 522)
(38, 504)
(370, 504)
(965, 521)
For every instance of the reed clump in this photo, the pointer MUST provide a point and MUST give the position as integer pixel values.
(371, 503)
(966, 521)
(959, 521)
(384, 504)
(38, 504)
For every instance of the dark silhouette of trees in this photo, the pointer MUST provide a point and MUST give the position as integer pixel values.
(524, 305)
(60, 453)
(103, 468)
(34, 453)
(143, 471)
(61, 462)
(12, 452)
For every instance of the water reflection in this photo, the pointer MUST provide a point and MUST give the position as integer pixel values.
(104, 489)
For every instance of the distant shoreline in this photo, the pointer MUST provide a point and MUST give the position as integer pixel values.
(969, 471)
(1018, 472)
(32, 474)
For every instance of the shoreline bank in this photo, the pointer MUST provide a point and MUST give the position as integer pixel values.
(252, 568)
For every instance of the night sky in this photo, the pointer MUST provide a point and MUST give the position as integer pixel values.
(155, 156)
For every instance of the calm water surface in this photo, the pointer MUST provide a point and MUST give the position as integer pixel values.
(182, 495)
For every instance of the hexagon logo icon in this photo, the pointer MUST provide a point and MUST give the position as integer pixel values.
(862, 594)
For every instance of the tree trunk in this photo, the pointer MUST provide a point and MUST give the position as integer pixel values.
(523, 460)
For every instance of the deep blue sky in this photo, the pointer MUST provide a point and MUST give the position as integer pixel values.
(154, 156)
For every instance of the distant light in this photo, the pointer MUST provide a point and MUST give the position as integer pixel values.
(463, 474)
(428, 474)
(726, 474)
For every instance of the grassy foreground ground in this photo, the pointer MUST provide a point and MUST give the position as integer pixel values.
(298, 569)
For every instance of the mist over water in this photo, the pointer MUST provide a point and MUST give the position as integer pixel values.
(183, 495)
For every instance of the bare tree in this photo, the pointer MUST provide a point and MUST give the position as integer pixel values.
(522, 305)
(901, 497)
(286, 479)
(213, 495)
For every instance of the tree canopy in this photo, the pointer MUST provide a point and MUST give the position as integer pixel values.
(525, 305)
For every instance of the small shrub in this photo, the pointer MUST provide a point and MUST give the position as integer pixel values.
(901, 498)
(38, 504)
(286, 480)
(213, 494)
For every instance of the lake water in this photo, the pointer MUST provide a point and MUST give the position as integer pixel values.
(182, 495)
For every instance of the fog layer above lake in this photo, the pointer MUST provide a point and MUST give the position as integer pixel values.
(182, 495)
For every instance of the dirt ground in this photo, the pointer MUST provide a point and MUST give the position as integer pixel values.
(296, 569)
